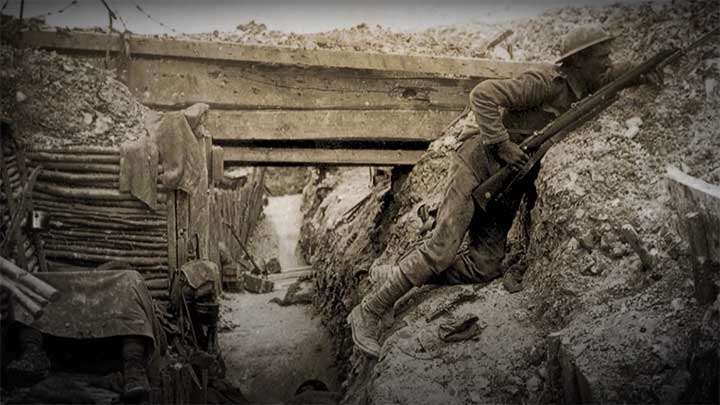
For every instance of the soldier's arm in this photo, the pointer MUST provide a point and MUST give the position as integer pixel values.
(617, 70)
(530, 89)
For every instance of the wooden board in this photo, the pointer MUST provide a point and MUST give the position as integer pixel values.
(329, 125)
(227, 51)
(174, 84)
(369, 157)
(172, 244)
(692, 195)
(182, 226)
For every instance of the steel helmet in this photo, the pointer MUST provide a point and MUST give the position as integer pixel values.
(582, 38)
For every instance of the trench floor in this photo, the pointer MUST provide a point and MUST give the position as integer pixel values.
(270, 350)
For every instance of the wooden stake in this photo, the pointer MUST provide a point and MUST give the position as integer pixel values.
(23, 299)
(16, 273)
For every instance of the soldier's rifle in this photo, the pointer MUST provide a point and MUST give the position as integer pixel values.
(540, 142)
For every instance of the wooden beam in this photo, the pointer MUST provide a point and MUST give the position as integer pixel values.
(369, 157)
(328, 125)
(692, 195)
(178, 83)
(172, 242)
(228, 51)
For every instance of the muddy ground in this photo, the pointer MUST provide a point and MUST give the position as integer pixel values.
(271, 349)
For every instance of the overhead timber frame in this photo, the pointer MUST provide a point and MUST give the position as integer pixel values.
(279, 105)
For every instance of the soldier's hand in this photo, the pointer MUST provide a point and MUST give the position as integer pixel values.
(510, 153)
(655, 78)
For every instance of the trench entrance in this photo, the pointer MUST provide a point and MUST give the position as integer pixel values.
(269, 349)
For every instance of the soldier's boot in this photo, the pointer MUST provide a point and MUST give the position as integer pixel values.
(136, 387)
(33, 364)
(364, 319)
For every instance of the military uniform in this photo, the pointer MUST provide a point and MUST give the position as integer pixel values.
(500, 110)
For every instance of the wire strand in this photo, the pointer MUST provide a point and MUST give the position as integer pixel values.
(119, 17)
(49, 13)
(160, 23)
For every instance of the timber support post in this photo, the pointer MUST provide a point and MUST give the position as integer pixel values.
(698, 207)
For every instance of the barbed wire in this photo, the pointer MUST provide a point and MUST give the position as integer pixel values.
(113, 15)
(119, 17)
(49, 13)
(160, 23)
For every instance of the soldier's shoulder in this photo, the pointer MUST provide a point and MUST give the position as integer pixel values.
(549, 73)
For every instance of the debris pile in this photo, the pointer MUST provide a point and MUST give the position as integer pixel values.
(608, 295)
(366, 38)
(56, 100)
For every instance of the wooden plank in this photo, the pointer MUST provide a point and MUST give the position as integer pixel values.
(328, 125)
(691, 195)
(200, 218)
(705, 289)
(216, 226)
(35, 236)
(182, 221)
(17, 237)
(73, 158)
(369, 157)
(79, 150)
(217, 172)
(176, 84)
(227, 51)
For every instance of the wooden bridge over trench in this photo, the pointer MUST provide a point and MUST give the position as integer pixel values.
(274, 106)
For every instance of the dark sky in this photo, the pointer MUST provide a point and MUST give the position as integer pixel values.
(298, 16)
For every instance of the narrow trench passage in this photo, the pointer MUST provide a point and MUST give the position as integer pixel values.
(283, 214)
(272, 349)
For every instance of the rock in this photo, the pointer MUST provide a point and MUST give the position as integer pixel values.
(257, 285)
(102, 124)
(633, 127)
(631, 132)
(87, 118)
(533, 384)
(634, 122)
(273, 266)
(587, 240)
(20, 96)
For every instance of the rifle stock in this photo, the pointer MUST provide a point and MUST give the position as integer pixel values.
(540, 142)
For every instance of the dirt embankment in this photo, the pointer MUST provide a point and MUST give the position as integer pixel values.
(58, 101)
(590, 325)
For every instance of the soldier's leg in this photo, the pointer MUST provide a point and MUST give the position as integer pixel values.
(457, 210)
(136, 386)
(417, 267)
(33, 364)
(481, 260)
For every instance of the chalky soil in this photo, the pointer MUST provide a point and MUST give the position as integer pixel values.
(272, 349)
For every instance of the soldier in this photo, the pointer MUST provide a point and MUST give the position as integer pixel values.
(487, 142)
